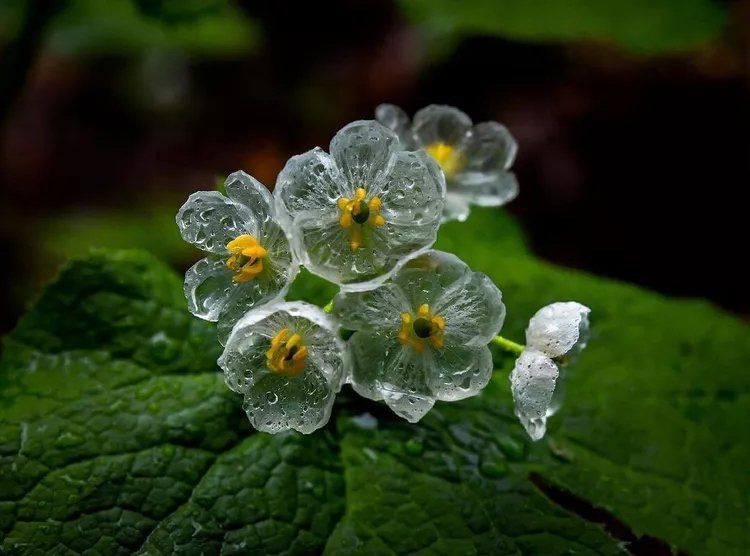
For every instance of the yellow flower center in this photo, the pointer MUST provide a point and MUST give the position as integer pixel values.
(356, 213)
(245, 257)
(422, 328)
(446, 156)
(286, 356)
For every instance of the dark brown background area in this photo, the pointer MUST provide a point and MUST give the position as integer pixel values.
(631, 166)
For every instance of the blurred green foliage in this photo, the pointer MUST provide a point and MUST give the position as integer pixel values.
(648, 26)
(129, 27)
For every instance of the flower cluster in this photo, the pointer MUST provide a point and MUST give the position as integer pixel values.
(363, 215)
(474, 158)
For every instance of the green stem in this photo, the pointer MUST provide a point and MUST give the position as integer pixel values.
(508, 345)
(328, 307)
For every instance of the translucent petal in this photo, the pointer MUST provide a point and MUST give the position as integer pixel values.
(208, 286)
(489, 147)
(458, 372)
(246, 190)
(309, 182)
(532, 384)
(275, 402)
(413, 191)
(473, 310)
(395, 119)
(209, 221)
(486, 189)
(456, 207)
(440, 124)
(383, 369)
(279, 270)
(378, 309)
(559, 329)
(424, 279)
(324, 248)
(362, 151)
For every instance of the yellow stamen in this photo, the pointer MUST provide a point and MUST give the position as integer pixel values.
(446, 156)
(286, 357)
(356, 213)
(417, 331)
(245, 257)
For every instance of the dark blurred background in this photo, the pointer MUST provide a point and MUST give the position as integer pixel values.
(631, 115)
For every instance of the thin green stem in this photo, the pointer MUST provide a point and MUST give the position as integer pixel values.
(508, 345)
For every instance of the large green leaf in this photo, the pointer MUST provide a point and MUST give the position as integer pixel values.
(117, 434)
(640, 25)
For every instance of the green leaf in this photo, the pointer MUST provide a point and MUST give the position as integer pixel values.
(118, 436)
(639, 25)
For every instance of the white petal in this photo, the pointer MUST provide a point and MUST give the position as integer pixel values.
(395, 119)
(532, 384)
(559, 329)
(376, 309)
(246, 190)
(486, 189)
(209, 221)
(458, 372)
(362, 151)
(440, 124)
(473, 310)
(383, 369)
(413, 191)
(208, 286)
(309, 182)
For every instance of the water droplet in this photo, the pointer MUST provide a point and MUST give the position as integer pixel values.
(271, 397)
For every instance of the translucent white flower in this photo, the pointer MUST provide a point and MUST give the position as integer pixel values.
(249, 260)
(556, 335)
(474, 158)
(422, 336)
(288, 362)
(358, 213)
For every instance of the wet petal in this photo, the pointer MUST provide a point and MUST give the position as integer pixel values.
(377, 309)
(383, 369)
(246, 190)
(362, 151)
(208, 286)
(458, 372)
(276, 403)
(440, 124)
(486, 189)
(559, 329)
(473, 310)
(413, 191)
(532, 384)
(423, 279)
(489, 147)
(309, 182)
(456, 207)
(395, 119)
(209, 221)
